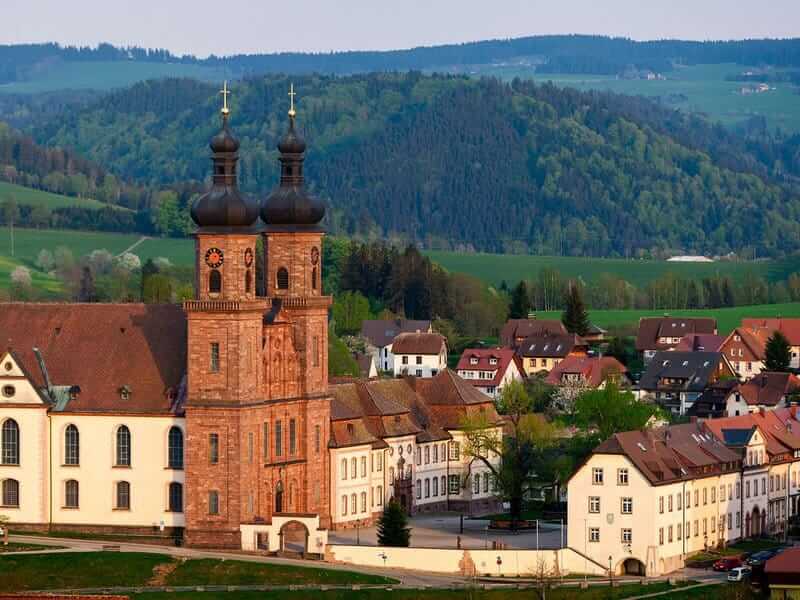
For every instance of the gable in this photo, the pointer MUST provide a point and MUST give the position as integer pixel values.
(16, 386)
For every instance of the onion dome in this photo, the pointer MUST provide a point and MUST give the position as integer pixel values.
(223, 205)
(290, 204)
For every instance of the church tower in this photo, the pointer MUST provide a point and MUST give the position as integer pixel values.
(224, 337)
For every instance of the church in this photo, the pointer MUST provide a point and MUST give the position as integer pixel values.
(215, 421)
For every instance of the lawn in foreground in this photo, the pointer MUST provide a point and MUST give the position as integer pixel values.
(133, 569)
(16, 547)
(600, 592)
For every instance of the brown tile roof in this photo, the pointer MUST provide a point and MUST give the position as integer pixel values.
(675, 453)
(779, 440)
(790, 328)
(382, 332)
(652, 329)
(768, 388)
(784, 568)
(483, 356)
(521, 328)
(547, 345)
(101, 348)
(419, 343)
(700, 342)
(594, 369)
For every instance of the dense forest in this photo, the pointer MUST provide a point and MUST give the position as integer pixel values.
(572, 53)
(451, 162)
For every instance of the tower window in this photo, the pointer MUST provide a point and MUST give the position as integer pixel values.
(213, 448)
(214, 362)
(282, 279)
(248, 281)
(314, 278)
(214, 282)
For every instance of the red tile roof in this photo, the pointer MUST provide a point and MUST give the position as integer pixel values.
(768, 389)
(700, 342)
(515, 329)
(101, 348)
(784, 568)
(788, 327)
(419, 343)
(594, 369)
(779, 440)
(484, 356)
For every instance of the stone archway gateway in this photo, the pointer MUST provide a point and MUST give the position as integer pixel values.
(294, 537)
(633, 566)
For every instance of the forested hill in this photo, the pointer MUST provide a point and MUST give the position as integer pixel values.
(563, 53)
(454, 162)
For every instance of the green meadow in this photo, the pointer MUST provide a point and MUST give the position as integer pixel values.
(26, 195)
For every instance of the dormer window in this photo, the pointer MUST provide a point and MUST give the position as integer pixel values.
(737, 338)
(125, 393)
(473, 361)
(492, 361)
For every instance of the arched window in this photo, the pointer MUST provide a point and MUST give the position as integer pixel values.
(314, 278)
(10, 442)
(175, 448)
(248, 281)
(282, 279)
(214, 282)
(71, 494)
(10, 493)
(72, 446)
(279, 497)
(123, 447)
(344, 505)
(363, 502)
(123, 495)
(175, 497)
(476, 484)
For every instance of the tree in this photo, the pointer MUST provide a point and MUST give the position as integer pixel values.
(21, 283)
(520, 454)
(87, 292)
(350, 310)
(520, 301)
(778, 352)
(45, 260)
(157, 289)
(340, 362)
(393, 527)
(603, 412)
(575, 317)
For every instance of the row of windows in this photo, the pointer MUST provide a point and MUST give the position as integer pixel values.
(432, 486)
(349, 505)
(10, 491)
(432, 454)
(10, 443)
(214, 362)
(625, 535)
(281, 280)
(598, 476)
(692, 529)
(625, 505)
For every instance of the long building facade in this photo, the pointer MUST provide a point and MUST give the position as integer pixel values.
(644, 501)
(215, 420)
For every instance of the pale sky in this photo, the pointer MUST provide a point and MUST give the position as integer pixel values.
(223, 27)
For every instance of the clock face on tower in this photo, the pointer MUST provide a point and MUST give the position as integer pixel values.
(248, 257)
(314, 255)
(214, 258)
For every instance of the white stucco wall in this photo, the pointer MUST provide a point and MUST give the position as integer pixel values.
(429, 364)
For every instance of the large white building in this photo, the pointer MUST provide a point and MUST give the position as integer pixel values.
(419, 354)
(644, 501)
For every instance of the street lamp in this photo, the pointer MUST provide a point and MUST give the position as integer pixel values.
(610, 572)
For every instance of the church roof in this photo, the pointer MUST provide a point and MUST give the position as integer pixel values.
(103, 349)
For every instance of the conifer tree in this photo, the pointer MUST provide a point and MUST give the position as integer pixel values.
(520, 302)
(575, 317)
(393, 527)
(778, 353)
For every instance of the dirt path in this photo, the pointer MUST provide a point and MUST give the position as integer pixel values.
(162, 572)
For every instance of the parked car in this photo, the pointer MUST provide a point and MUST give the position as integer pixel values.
(739, 574)
(759, 558)
(728, 563)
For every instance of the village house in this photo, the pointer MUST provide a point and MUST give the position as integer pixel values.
(765, 391)
(516, 330)
(380, 333)
(650, 499)
(645, 500)
(745, 348)
(588, 371)
(675, 380)
(656, 334)
(489, 370)
(790, 328)
(541, 353)
(419, 354)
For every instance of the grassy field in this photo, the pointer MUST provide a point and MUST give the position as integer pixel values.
(104, 569)
(26, 195)
(511, 268)
(697, 88)
(100, 75)
(727, 318)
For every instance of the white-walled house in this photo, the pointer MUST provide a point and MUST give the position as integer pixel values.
(766, 391)
(489, 370)
(380, 333)
(419, 354)
(401, 438)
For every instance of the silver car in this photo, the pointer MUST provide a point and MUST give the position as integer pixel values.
(739, 574)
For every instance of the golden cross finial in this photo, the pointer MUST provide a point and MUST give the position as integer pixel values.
(225, 93)
(292, 94)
